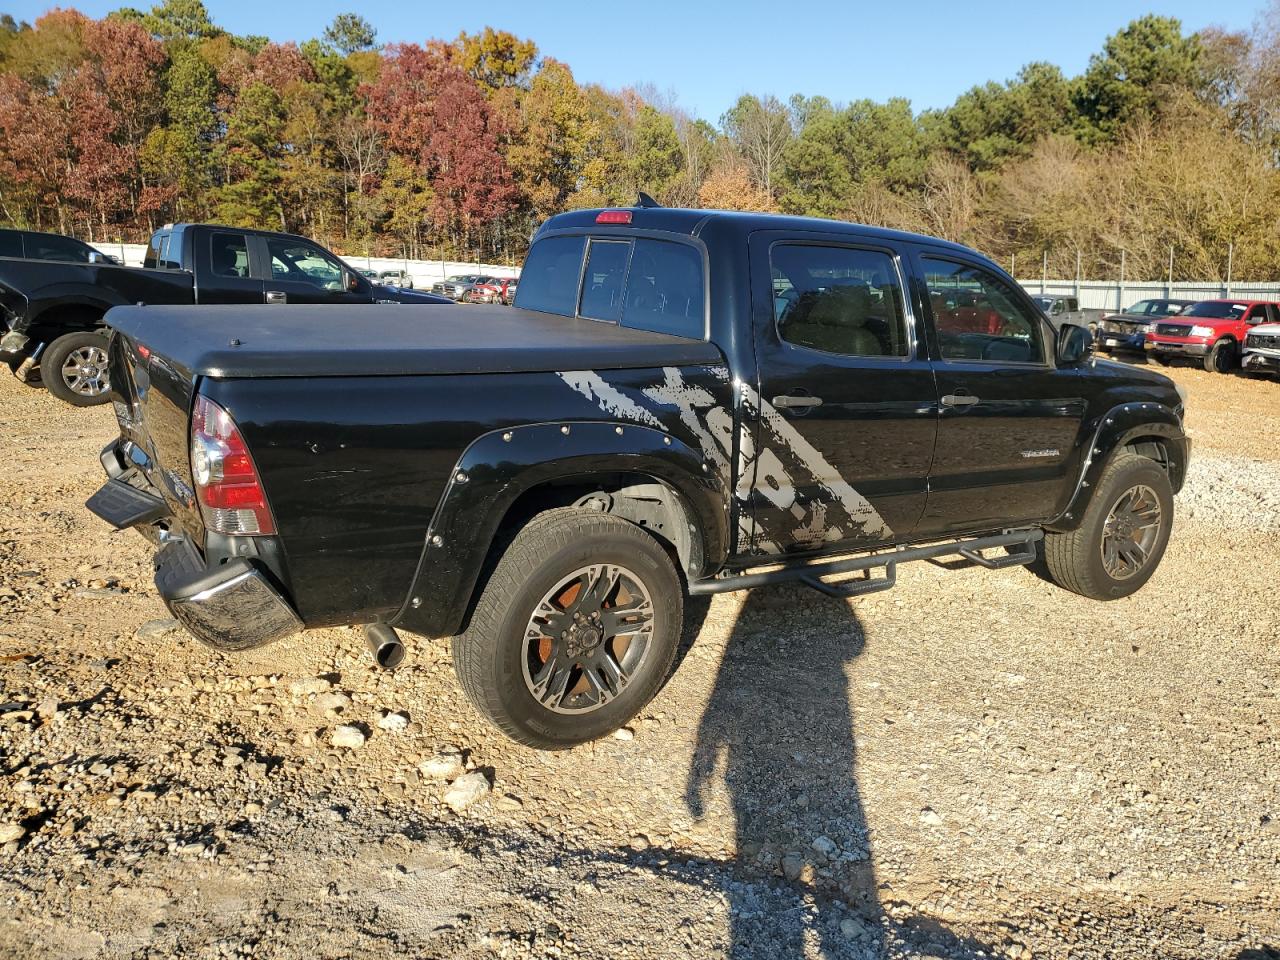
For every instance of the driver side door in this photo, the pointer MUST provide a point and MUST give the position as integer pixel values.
(1009, 417)
(298, 271)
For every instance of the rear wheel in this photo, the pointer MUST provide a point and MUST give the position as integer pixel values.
(575, 630)
(74, 369)
(1123, 537)
(1222, 358)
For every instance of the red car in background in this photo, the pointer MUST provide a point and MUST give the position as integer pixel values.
(1211, 331)
(491, 290)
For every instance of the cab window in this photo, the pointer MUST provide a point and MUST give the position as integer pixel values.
(551, 274)
(838, 300)
(229, 255)
(302, 263)
(10, 243)
(978, 316)
(46, 247)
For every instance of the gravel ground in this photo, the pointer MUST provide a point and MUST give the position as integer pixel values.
(975, 764)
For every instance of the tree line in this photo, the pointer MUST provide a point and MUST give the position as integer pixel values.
(458, 149)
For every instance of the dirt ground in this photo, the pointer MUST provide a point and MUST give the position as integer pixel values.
(974, 764)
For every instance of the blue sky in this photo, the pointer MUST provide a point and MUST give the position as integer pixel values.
(707, 53)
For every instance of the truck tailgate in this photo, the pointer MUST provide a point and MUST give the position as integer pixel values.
(152, 399)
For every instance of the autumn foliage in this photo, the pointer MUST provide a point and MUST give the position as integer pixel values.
(111, 127)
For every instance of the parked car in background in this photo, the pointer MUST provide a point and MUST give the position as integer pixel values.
(1262, 349)
(546, 484)
(1211, 331)
(490, 290)
(509, 293)
(456, 287)
(33, 245)
(366, 272)
(54, 310)
(1127, 330)
(1062, 310)
(398, 278)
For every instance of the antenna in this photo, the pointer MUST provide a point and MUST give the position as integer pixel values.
(644, 200)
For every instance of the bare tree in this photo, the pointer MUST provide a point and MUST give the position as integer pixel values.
(761, 129)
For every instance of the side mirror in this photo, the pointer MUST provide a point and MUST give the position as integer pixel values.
(1074, 343)
(353, 283)
(96, 257)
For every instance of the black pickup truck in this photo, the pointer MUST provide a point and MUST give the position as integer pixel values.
(54, 309)
(681, 402)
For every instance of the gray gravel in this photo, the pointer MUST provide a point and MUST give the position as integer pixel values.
(975, 764)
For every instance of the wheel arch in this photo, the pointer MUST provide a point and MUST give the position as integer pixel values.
(1152, 430)
(505, 477)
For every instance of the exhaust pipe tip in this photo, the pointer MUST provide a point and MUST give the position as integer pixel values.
(385, 645)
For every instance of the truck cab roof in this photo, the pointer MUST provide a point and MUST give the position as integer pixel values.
(696, 222)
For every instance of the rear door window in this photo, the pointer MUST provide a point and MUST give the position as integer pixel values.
(229, 255)
(549, 280)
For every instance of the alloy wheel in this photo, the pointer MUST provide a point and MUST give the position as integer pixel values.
(587, 638)
(84, 371)
(1130, 532)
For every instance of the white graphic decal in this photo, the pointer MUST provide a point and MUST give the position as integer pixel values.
(771, 510)
(612, 400)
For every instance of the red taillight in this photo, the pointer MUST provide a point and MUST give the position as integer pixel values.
(144, 352)
(613, 216)
(230, 492)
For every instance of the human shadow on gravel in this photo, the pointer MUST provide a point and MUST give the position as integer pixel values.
(779, 717)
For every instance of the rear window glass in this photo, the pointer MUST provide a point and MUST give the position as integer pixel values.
(664, 289)
(602, 282)
(549, 280)
(10, 243)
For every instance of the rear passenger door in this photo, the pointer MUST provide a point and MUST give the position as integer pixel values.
(847, 408)
(224, 272)
(1009, 418)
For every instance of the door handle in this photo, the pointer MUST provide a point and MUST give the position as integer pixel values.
(787, 402)
(277, 296)
(958, 400)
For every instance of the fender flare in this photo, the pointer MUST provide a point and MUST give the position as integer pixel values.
(500, 466)
(59, 295)
(1117, 427)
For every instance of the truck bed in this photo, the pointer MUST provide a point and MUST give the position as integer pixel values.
(234, 342)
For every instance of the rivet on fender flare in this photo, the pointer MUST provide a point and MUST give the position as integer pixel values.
(564, 429)
(506, 437)
(437, 540)
(667, 441)
(416, 602)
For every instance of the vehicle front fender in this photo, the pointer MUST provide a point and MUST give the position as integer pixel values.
(498, 467)
(1121, 426)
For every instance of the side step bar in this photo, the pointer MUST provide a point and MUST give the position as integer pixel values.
(810, 574)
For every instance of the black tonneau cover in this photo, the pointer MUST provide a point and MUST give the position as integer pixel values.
(392, 339)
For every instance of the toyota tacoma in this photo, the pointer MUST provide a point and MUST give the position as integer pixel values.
(680, 403)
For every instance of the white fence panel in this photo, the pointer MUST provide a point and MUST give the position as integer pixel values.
(1113, 295)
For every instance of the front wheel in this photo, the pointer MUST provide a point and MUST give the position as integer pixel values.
(74, 369)
(1123, 536)
(575, 630)
(1222, 358)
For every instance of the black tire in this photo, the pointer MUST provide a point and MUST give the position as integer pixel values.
(85, 389)
(496, 667)
(1074, 560)
(1223, 358)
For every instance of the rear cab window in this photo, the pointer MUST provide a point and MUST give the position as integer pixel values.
(643, 283)
(10, 243)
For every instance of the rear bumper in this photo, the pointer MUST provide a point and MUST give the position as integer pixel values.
(227, 602)
(1186, 348)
